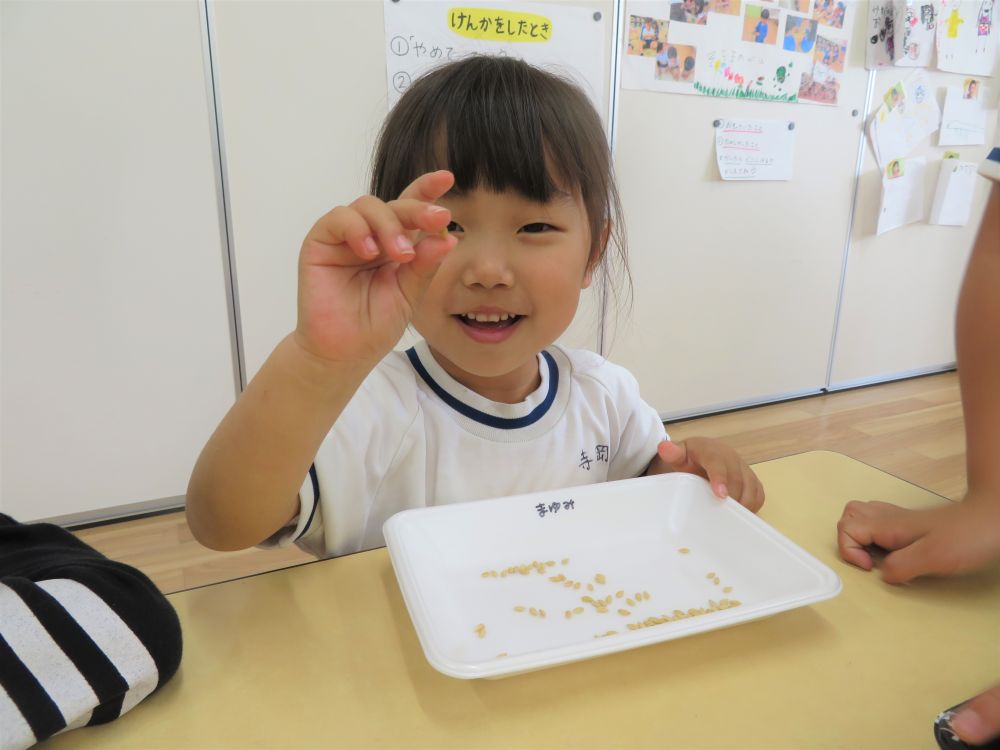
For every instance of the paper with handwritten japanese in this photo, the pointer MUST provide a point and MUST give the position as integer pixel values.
(754, 149)
(908, 114)
(564, 39)
(967, 36)
(963, 122)
(773, 50)
(902, 193)
(880, 49)
(953, 195)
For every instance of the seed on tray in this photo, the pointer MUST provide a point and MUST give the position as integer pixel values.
(599, 578)
(624, 612)
(684, 550)
(481, 630)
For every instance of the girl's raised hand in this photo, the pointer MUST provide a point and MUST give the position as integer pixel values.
(364, 267)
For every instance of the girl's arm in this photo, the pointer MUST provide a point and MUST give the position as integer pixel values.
(362, 270)
(977, 341)
(245, 484)
(957, 537)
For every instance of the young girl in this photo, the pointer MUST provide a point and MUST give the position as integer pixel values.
(492, 206)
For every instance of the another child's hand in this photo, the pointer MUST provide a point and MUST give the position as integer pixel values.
(715, 461)
(952, 539)
(364, 267)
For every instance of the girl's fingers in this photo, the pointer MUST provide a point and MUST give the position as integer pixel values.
(340, 226)
(386, 227)
(414, 214)
(430, 186)
(393, 224)
(752, 496)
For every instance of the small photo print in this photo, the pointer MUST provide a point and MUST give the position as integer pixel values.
(799, 6)
(894, 169)
(689, 11)
(676, 62)
(760, 24)
(800, 34)
(730, 7)
(831, 54)
(895, 96)
(645, 34)
(970, 88)
(819, 88)
(830, 12)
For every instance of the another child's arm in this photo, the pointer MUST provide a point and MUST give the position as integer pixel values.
(715, 461)
(362, 269)
(962, 536)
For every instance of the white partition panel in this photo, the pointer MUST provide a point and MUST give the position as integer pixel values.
(736, 283)
(302, 93)
(900, 290)
(117, 358)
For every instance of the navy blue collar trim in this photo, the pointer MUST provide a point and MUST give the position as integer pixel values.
(503, 423)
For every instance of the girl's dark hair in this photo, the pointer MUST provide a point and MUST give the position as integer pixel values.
(501, 124)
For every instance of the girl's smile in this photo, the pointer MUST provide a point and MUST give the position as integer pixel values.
(507, 290)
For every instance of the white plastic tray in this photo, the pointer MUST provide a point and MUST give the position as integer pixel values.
(661, 535)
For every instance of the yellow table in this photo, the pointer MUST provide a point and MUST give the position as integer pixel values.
(324, 656)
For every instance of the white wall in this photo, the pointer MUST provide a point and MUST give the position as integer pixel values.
(116, 359)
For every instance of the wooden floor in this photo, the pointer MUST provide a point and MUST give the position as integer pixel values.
(912, 429)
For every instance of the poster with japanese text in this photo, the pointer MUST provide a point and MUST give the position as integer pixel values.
(754, 149)
(563, 39)
(967, 36)
(767, 50)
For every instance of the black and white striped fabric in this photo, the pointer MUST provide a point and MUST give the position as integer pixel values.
(83, 638)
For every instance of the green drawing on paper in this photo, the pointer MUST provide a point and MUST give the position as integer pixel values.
(740, 92)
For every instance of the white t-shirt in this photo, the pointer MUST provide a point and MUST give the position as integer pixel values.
(412, 436)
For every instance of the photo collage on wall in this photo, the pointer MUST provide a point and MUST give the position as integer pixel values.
(768, 50)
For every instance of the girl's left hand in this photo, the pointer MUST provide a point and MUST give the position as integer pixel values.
(715, 461)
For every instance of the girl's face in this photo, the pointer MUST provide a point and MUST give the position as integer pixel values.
(509, 288)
